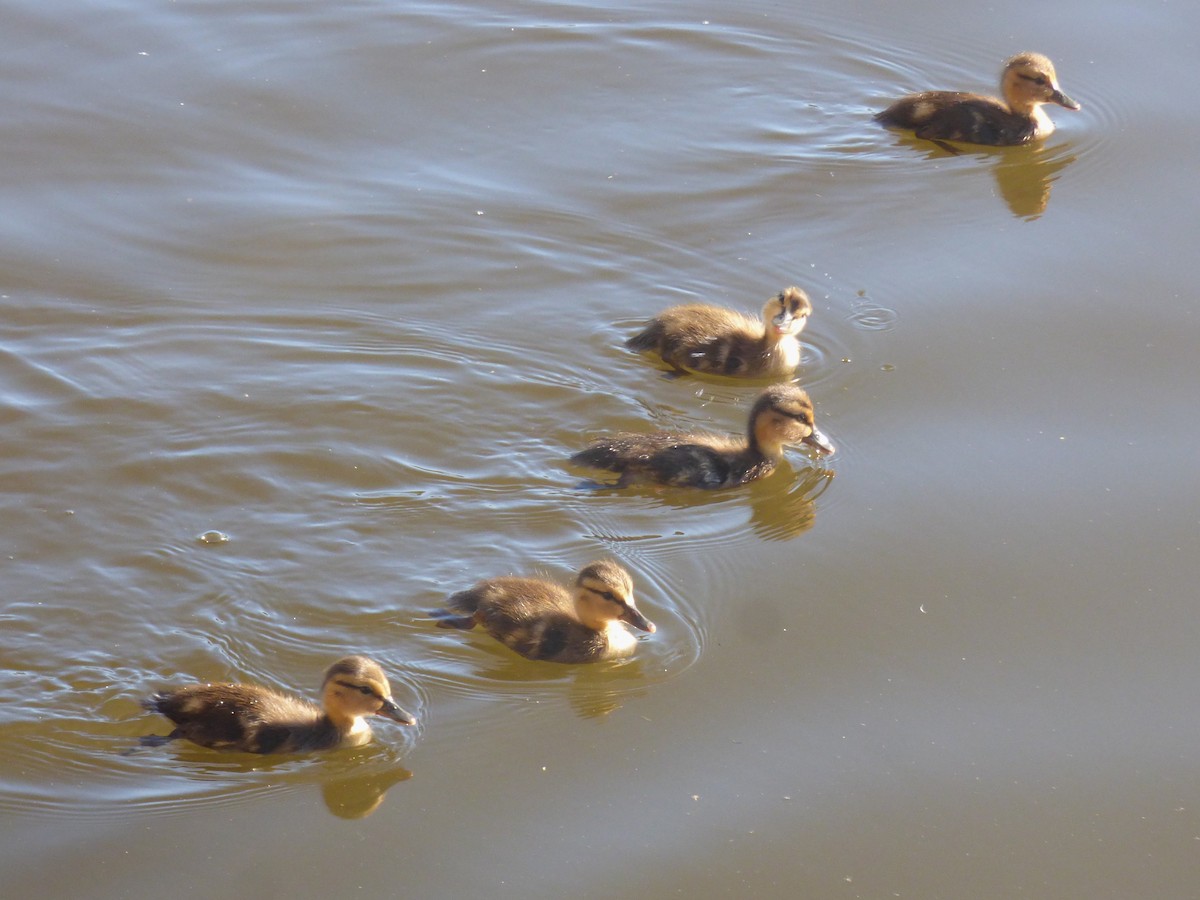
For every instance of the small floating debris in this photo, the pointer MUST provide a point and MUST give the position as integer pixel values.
(213, 537)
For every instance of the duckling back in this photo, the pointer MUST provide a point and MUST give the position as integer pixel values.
(533, 617)
(1027, 82)
(958, 116)
(243, 717)
(542, 620)
(255, 719)
(782, 415)
(676, 459)
(718, 341)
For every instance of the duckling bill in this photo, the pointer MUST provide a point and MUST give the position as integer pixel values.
(1027, 83)
(718, 341)
(781, 416)
(254, 719)
(542, 620)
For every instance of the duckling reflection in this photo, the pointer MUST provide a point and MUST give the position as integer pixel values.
(718, 341)
(357, 796)
(591, 691)
(1024, 176)
(595, 694)
(784, 511)
(544, 621)
(1027, 83)
(1024, 181)
(781, 416)
(254, 719)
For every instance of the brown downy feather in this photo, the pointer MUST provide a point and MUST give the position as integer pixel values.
(782, 415)
(255, 719)
(718, 341)
(544, 621)
(1027, 83)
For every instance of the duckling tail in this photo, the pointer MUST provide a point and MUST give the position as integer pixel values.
(447, 619)
(152, 740)
(648, 338)
(600, 455)
(154, 702)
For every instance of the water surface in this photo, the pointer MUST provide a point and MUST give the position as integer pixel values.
(305, 306)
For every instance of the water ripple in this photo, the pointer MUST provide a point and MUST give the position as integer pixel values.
(871, 316)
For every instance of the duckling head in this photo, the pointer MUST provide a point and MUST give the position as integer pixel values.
(355, 687)
(783, 415)
(787, 312)
(1029, 81)
(604, 593)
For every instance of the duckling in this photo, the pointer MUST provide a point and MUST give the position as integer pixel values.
(255, 719)
(1028, 82)
(781, 415)
(719, 341)
(543, 620)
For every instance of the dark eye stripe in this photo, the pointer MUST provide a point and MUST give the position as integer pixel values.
(361, 688)
(607, 595)
(802, 417)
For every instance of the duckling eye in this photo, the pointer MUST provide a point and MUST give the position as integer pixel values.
(609, 596)
(364, 690)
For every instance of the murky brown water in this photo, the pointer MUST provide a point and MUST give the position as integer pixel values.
(348, 284)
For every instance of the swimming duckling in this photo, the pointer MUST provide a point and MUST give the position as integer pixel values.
(255, 719)
(1027, 83)
(781, 415)
(543, 620)
(719, 341)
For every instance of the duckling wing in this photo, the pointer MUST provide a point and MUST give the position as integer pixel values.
(619, 452)
(731, 354)
(958, 116)
(215, 716)
(681, 460)
(555, 638)
(536, 619)
(734, 346)
(917, 110)
(702, 338)
(691, 465)
(978, 120)
(550, 635)
(289, 737)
